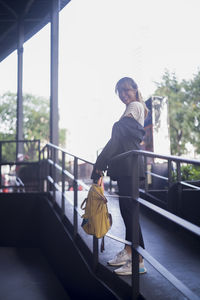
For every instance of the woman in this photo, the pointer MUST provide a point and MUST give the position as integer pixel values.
(127, 134)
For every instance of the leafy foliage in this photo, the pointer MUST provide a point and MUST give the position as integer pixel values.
(184, 112)
(35, 126)
(190, 172)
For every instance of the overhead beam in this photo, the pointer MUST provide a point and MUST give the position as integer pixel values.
(12, 26)
(12, 11)
(28, 6)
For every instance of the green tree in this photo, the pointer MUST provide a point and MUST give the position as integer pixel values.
(35, 125)
(184, 113)
(192, 96)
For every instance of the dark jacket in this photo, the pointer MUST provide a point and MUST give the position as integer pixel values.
(127, 134)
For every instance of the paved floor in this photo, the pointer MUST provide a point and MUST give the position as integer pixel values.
(179, 253)
(26, 275)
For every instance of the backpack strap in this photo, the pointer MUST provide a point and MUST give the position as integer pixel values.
(82, 204)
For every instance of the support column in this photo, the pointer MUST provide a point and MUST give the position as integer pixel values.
(54, 138)
(19, 125)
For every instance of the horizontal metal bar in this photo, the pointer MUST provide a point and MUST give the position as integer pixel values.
(156, 175)
(63, 150)
(190, 185)
(169, 276)
(9, 186)
(50, 179)
(66, 198)
(113, 237)
(67, 173)
(183, 223)
(19, 163)
(58, 167)
(156, 155)
(50, 161)
(19, 141)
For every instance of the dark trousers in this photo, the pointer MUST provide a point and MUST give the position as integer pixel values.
(126, 207)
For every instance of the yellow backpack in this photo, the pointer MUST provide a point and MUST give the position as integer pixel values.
(96, 219)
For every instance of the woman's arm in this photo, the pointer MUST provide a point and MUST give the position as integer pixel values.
(107, 153)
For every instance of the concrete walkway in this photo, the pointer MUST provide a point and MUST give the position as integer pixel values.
(26, 274)
(177, 251)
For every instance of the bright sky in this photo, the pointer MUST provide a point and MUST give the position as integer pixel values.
(100, 42)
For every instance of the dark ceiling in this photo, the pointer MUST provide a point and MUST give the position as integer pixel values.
(35, 13)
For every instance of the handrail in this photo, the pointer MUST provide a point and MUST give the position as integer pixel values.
(61, 149)
(175, 219)
(156, 155)
(17, 162)
(156, 175)
(19, 141)
(170, 158)
(68, 174)
(137, 200)
(190, 185)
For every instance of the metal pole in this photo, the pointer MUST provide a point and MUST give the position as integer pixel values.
(54, 175)
(146, 175)
(75, 196)
(169, 177)
(54, 139)
(63, 183)
(95, 252)
(19, 129)
(179, 206)
(135, 229)
(169, 173)
(0, 164)
(40, 169)
(48, 169)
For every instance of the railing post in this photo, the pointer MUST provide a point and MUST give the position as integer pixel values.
(39, 171)
(95, 253)
(146, 175)
(135, 229)
(54, 175)
(48, 168)
(169, 177)
(42, 174)
(178, 165)
(75, 196)
(0, 165)
(63, 183)
(169, 173)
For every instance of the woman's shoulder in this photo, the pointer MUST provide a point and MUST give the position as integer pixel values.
(136, 107)
(135, 104)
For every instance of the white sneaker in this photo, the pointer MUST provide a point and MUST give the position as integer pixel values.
(142, 269)
(127, 269)
(120, 259)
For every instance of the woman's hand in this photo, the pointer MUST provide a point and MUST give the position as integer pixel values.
(96, 174)
(99, 172)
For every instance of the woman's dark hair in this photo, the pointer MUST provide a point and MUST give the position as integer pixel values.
(124, 80)
(133, 84)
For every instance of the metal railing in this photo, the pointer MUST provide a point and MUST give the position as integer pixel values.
(9, 179)
(52, 159)
(174, 176)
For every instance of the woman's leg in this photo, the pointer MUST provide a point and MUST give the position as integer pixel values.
(126, 207)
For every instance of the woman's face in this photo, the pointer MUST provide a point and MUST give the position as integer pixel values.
(127, 94)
